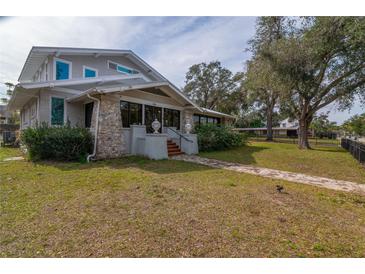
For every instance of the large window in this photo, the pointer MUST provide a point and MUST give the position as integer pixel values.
(62, 69)
(202, 119)
(90, 72)
(57, 111)
(171, 118)
(131, 113)
(120, 68)
(150, 114)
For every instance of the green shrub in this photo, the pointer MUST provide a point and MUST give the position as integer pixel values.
(63, 143)
(213, 137)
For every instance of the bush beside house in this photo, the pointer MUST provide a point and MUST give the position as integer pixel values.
(63, 143)
(213, 137)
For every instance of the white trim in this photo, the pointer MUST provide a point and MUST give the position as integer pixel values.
(50, 109)
(70, 82)
(38, 107)
(89, 68)
(66, 90)
(109, 61)
(63, 61)
(143, 111)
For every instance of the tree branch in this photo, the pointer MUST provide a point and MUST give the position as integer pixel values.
(339, 79)
(336, 96)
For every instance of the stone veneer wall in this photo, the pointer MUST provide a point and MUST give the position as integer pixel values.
(110, 143)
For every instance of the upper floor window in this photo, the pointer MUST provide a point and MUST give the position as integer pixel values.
(89, 72)
(62, 69)
(120, 68)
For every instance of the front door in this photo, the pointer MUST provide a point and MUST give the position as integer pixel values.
(150, 114)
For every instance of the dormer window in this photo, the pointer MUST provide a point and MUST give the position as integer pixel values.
(120, 68)
(89, 72)
(62, 69)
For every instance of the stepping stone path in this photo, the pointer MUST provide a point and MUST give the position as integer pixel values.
(276, 174)
(13, 159)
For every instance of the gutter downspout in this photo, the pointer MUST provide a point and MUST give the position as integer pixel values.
(96, 127)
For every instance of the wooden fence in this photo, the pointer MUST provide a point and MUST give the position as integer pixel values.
(357, 149)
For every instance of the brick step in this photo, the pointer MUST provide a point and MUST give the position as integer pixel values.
(172, 146)
(174, 150)
(175, 153)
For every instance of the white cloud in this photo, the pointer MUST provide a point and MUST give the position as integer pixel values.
(170, 44)
(223, 39)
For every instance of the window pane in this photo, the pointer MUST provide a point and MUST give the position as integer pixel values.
(196, 120)
(125, 70)
(124, 106)
(90, 73)
(210, 120)
(112, 66)
(171, 118)
(88, 114)
(57, 112)
(135, 117)
(203, 119)
(176, 119)
(62, 70)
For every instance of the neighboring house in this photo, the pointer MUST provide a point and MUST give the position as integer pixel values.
(7, 127)
(114, 93)
(5, 115)
(287, 128)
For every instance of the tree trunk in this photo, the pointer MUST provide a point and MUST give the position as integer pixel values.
(303, 133)
(269, 133)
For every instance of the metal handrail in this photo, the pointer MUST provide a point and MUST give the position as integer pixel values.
(180, 135)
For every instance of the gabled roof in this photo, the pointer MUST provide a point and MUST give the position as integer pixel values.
(38, 55)
(115, 88)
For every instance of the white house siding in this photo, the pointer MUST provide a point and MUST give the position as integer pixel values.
(29, 114)
(73, 112)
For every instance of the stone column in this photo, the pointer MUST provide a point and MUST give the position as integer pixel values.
(187, 118)
(110, 143)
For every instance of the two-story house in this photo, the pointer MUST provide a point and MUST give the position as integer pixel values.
(114, 93)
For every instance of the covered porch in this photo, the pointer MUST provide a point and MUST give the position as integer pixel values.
(121, 120)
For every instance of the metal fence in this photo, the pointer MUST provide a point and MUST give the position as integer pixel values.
(357, 149)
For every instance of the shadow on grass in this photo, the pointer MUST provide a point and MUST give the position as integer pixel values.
(244, 155)
(155, 166)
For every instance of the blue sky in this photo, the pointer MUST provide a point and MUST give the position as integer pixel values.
(169, 44)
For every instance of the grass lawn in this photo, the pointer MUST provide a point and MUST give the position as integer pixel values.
(134, 207)
(6, 152)
(326, 161)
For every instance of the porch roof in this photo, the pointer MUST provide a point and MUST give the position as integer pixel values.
(118, 88)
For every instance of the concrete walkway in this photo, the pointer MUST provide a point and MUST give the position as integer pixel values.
(277, 174)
